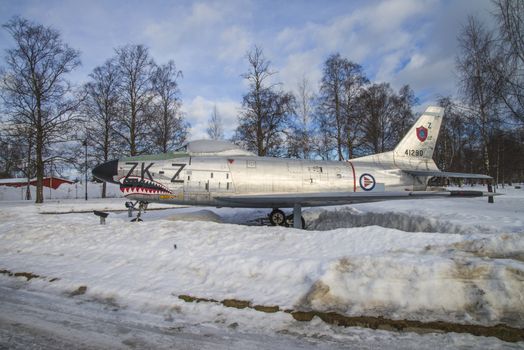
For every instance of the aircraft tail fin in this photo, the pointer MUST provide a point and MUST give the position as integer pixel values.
(420, 141)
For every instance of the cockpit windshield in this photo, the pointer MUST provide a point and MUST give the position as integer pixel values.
(182, 148)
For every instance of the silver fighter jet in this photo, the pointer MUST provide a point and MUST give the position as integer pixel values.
(218, 173)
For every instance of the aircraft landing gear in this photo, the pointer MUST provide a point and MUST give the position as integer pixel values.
(278, 218)
(142, 206)
(290, 222)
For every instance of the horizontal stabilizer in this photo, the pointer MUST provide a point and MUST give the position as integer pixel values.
(472, 194)
(436, 173)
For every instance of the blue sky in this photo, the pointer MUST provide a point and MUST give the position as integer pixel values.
(398, 41)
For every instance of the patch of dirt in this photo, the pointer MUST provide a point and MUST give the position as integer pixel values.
(319, 292)
(79, 291)
(344, 265)
(109, 303)
(500, 331)
(238, 304)
(28, 275)
(469, 270)
(517, 274)
(503, 332)
(486, 247)
(190, 299)
(266, 309)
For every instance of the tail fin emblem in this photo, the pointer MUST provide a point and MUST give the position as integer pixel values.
(422, 133)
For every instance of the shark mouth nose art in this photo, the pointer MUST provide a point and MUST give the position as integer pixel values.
(137, 185)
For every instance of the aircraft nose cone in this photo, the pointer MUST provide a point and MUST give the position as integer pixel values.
(106, 171)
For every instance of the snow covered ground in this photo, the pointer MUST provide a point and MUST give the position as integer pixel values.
(460, 261)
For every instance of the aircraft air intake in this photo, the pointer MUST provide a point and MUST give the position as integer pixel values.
(106, 171)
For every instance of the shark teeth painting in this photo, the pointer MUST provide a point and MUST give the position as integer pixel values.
(137, 185)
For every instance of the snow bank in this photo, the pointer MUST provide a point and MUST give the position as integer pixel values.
(458, 215)
(407, 286)
(351, 217)
(473, 274)
(201, 215)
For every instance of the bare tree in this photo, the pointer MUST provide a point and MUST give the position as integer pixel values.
(323, 141)
(480, 91)
(215, 129)
(265, 110)
(168, 127)
(100, 111)
(35, 92)
(300, 142)
(510, 16)
(354, 86)
(11, 155)
(342, 83)
(17, 153)
(452, 137)
(386, 116)
(404, 118)
(135, 70)
(378, 109)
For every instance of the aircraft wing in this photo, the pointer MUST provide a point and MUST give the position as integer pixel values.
(288, 200)
(447, 174)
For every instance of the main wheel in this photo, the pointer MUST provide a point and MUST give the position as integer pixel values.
(277, 218)
(289, 221)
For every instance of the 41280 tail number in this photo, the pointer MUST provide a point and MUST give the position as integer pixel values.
(414, 152)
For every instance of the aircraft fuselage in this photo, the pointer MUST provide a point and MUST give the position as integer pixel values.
(198, 180)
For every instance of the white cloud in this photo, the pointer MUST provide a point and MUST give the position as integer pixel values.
(204, 14)
(390, 16)
(375, 32)
(436, 75)
(400, 41)
(199, 110)
(199, 29)
(234, 42)
(298, 66)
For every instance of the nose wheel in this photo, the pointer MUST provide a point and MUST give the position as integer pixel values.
(142, 206)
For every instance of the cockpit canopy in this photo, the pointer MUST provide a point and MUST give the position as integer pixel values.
(213, 148)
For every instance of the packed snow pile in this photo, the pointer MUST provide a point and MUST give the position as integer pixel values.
(471, 275)
(200, 215)
(459, 215)
(441, 282)
(350, 217)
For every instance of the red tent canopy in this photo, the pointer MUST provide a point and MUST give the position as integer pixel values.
(49, 181)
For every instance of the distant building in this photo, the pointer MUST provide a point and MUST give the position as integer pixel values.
(49, 181)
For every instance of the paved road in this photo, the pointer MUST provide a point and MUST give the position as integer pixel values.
(31, 320)
(36, 320)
